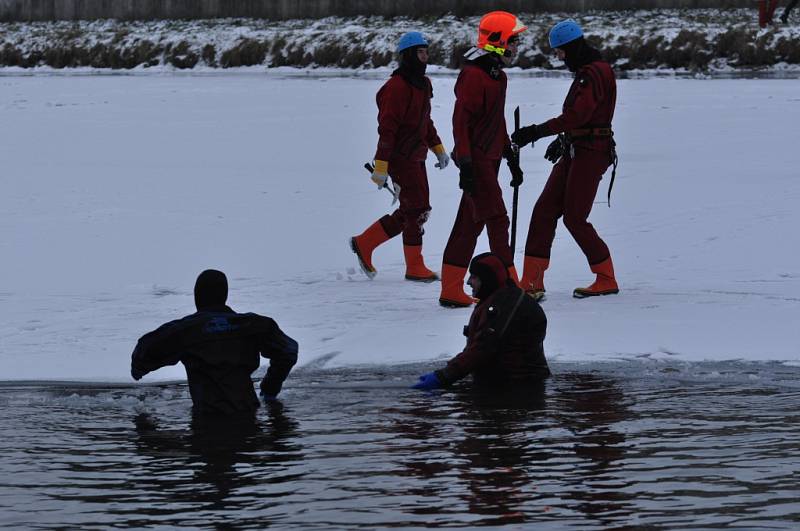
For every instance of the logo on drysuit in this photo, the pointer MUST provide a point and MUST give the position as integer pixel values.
(219, 325)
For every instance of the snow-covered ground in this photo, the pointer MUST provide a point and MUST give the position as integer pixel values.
(118, 190)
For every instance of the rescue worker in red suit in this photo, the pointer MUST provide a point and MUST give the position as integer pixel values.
(481, 140)
(505, 335)
(766, 10)
(406, 132)
(582, 153)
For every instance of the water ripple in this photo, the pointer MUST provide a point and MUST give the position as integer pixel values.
(604, 447)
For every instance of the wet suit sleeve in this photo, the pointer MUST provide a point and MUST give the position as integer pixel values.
(159, 348)
(469, 104)
(281, 350)
(585, 95)
(482, 346)
(392, 101)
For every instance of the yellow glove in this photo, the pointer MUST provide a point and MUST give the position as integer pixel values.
(380, 173)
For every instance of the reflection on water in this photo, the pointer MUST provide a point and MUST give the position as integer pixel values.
(596, 447)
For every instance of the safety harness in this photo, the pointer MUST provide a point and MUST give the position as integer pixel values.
(590, 133)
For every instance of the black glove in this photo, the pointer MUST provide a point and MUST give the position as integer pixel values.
(554, 150)
(512, 159)
(137, 373)
(466, 177)
(516, 173)
(524, 136)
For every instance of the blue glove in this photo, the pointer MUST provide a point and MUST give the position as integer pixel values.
(427, 382)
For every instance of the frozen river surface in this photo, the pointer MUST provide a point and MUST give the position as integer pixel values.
(118, 190)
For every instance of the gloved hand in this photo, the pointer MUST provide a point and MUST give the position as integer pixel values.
(427, 382)
(380, 173)
(554, 151)
(516, 172)
(525, 136)
(137, 373)
(466, 176)
(441, 156)
(512, 159)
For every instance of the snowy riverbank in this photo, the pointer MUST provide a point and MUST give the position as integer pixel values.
(663, 40)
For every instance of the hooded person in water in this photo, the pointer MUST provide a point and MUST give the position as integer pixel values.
(505, 334)
(220, 350)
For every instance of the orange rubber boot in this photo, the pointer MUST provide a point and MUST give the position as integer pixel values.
(512, 274)
(533, 276)
(453, 295)
(415, 265)
(605, 284)
(365, 243)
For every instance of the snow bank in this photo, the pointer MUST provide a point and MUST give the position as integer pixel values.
(673, 40)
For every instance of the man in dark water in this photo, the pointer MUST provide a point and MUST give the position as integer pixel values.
(505, 335)
(220, 350)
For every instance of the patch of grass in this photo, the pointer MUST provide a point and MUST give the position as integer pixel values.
(788, 50)
(120, 35)
(354, 58)
(63, 57)
(327, 55)
(72, 33)
(11, 56)
(182, 56)
(209, 55)
(381, 59)
(248, 52)
(456, 59)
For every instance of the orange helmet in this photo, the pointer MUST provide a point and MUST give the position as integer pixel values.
(496, 28)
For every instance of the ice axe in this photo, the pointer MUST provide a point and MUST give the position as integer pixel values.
(515, 149)
(396, 187)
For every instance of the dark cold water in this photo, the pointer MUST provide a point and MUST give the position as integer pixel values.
(599, 446)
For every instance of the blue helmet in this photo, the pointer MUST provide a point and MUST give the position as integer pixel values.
(411, 39)
(564, 32)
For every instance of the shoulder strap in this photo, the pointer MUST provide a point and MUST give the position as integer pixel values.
(513, 312)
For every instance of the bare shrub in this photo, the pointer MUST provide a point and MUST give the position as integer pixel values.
(11, 56)
(537, 60)
(732, 42)
(62, 57)
(327, 55)
(248, 52)
(209, 55)
(145, 53)
(457, 55)
(788, 50)
(182, 56)
(687, 50)
(383, 59)
(436, 54)
(354, 58)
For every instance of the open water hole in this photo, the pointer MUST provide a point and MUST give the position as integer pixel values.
(629, 445)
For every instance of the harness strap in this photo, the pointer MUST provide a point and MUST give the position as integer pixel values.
(591, 131)
(511, 315)
(601, 132)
